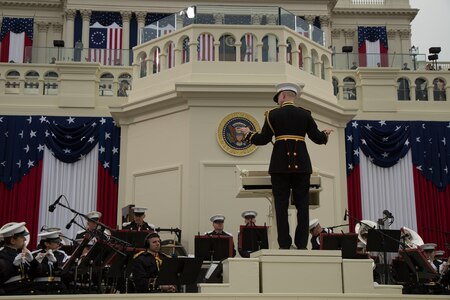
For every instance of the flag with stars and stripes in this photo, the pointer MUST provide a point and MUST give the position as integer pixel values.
(373, 46)
(16, 35)
(401, 166)
(29, 144)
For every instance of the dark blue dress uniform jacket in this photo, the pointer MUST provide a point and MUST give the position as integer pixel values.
(289, 155)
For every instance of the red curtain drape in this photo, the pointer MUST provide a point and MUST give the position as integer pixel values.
(354, 197)
(21, 203)
(107, 196)
(432, 210)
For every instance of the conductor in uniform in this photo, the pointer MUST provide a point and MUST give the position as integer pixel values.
(15, 261)
(290, 166)
(138, 223)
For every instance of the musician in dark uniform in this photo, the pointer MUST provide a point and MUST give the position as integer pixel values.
(15, 261)
(91, 228)
(50, 260)
(315, 229)
(138, 223)
(146, 266)
(249, 220)
(218, 225)
(290, 165)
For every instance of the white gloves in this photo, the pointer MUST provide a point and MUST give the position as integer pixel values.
(49, 254)
(23, 257)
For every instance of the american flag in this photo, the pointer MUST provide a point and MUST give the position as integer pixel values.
(402, 166)
(170, 55)
(156, 61)
(372, 46)
(23, 142)
(185, 50)
(105, 44)
(16, 34)
(205, 48)
(248, 47)
(289, 53)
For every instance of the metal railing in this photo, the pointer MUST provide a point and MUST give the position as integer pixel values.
(107, 57)
(230, 15)
(346, 61)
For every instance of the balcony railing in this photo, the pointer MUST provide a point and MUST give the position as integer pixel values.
(107, 57)
(230, 15)
(346, 61)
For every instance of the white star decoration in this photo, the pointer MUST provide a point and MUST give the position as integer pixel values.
(356, 152)
(350, 166)
(368, 127)
(107, 135)
(70, 120)
(40, 148)
(382, 123)
(418, 139)
(29, 120)
(444, 141)
(91, 139)
(349, 138)
(385, 154)
(397, 128)
(407, 142)
(21, 134)
(43, 119)
(33, 133)
(27, 148)
(30, 163)
(419, 168)
(363, 141)
(355, 124)
(106, 165)
(115, 150)
(102, 121)
(67, 150)
(101, 149)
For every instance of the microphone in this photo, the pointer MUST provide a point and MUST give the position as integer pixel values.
(346, 214)
(43, 228)
(52, 207)
(71, 222)
(387, 213)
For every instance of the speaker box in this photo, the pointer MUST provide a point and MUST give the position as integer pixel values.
(434, 50)
(347, 49)
(58, 43)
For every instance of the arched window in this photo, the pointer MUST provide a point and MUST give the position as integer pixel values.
(349, 89)
(51, 83)
(270, 48)
(125, 81)
(403, 89)
(31, 82)
(170, 51)
(421, 89)
(335, 87)
(439, 93)
(227, 48)
(248, 47)
(106, 84)
(289, 52)
(185, 53)
(12, 84)
(205, 47)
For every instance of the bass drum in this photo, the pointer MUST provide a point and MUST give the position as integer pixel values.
(173, 248)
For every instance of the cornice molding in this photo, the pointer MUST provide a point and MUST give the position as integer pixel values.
(33, 3)
(379, 12)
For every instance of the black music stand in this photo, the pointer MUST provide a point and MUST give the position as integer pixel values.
(179, 272)
(253, 238)
(383, 240)
(213, 247)
(337, 241)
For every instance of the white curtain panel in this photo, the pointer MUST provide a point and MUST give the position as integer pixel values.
(373, 53)
(16, 46)
(388, 188)
(76, 181)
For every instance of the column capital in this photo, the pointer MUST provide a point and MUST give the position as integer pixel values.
(140, 16)
(86, 14)
(324, 20)
(272, 19)
(70, 14)
(405, 33)
(349, 33)
(310, 19)
(42, 26)
(126, 16)
(391, 33)
(57, 27)
(335, 33)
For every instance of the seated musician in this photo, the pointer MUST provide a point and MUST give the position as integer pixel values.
(249, 220)
(315, 230)
(218, 225)
(428, 251)
(50, 261)
(146, 266)
(15, 261)
(91, 227)
(138, 223)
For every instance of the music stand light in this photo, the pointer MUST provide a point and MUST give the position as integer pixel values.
(58, 44)
(347, 49)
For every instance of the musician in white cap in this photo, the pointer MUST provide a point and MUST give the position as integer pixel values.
(428, 251)
(249, 221)
(138, 223)
(50, 260)
(218, 225)
(91, 227)
(316, 229)
(15, 261)
(290, 166)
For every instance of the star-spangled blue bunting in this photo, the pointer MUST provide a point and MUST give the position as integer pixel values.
(106, 18)
(17, 25)
(70, 139)
(372, 34)
(386, 142)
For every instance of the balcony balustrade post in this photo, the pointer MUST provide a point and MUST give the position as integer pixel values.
(150, 66)
(178, 56)
(238, 51)
(412, 92)
(193, 51)
(163, 61)
(259, 47)
(295, 55)
(307, 63)
(282, 52)
(430, 90)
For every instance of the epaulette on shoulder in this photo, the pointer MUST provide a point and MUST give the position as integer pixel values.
(138, 254)
(268, 111)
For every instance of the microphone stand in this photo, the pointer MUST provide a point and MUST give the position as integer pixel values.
(336, 226)
(383, 241)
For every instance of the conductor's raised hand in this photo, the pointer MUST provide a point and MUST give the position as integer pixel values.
(327, 131)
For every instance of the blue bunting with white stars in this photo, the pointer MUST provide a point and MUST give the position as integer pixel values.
(386, 142)
(70, 139)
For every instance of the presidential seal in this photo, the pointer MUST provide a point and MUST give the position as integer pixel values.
(230, 137)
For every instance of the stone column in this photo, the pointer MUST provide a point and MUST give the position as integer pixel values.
(193, 51)
(310, 20)
(86, 15)
(412, 92)
(282, 52)
(325, 26)
(140, 16)
(259, 47)
(295, 56)
(70, 23)
(430, 90)
(163, 64)
(42, 55)
(126, 16)
(216, 51)
(238, 51)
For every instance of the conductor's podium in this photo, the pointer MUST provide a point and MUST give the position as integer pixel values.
(298, 271)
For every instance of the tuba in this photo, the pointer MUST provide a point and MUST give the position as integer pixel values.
(411, 238)
(363, 230)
